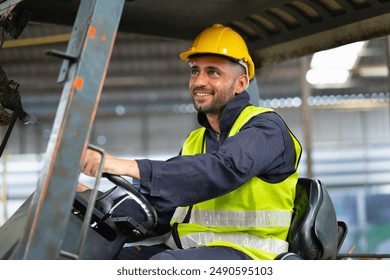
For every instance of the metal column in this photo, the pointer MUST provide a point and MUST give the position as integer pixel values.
(254, 92)
(306, 116)
(83, 72)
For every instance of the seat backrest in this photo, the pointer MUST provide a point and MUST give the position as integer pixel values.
(313, 233)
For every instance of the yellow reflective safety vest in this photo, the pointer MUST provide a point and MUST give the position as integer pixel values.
(254, 218)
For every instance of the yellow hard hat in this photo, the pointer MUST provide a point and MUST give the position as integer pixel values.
(221, 40)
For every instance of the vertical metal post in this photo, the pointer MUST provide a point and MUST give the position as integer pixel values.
(4, 190)
(306, 116)
(387, 50)
(254, 92)
(83, 72)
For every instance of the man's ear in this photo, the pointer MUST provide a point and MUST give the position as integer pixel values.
(242, 83)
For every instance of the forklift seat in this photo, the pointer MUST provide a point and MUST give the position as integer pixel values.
(315, 233)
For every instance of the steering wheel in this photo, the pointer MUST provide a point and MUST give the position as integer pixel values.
(132, 193)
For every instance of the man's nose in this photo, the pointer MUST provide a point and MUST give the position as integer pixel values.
(200, 79)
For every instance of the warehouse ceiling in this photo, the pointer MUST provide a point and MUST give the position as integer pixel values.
(152, 33)
(275, 30)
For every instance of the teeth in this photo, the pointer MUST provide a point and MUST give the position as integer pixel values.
(202, 94)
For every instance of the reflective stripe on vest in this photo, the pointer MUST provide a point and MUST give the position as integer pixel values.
(244, 219)
(275, 246)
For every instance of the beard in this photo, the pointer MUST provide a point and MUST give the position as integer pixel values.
(211, 108)
(217, 103)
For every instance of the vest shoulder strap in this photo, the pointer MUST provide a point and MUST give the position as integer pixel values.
(246, 114)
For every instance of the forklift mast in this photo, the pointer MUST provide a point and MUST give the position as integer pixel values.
(83, 71)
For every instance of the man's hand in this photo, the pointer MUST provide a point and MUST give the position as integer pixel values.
(112, 165)
(91, 163)
(81, 187)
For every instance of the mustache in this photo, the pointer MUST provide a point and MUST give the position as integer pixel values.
(203, 89)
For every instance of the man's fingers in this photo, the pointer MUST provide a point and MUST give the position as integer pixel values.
(88, 169)
(81, 187)
(91, 163)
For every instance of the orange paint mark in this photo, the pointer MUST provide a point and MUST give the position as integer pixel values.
(92, 32)
(103, 37)
(79, 82)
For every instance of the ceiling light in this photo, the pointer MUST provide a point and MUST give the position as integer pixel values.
(332, 66)
(327, 76)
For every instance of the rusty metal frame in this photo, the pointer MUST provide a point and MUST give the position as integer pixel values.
(83, 72)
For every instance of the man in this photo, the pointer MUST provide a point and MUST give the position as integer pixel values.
(230, 192)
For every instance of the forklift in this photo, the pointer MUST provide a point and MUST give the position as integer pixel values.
(80, 221)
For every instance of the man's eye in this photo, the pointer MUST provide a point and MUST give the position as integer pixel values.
(213, 72)
(194, 71)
